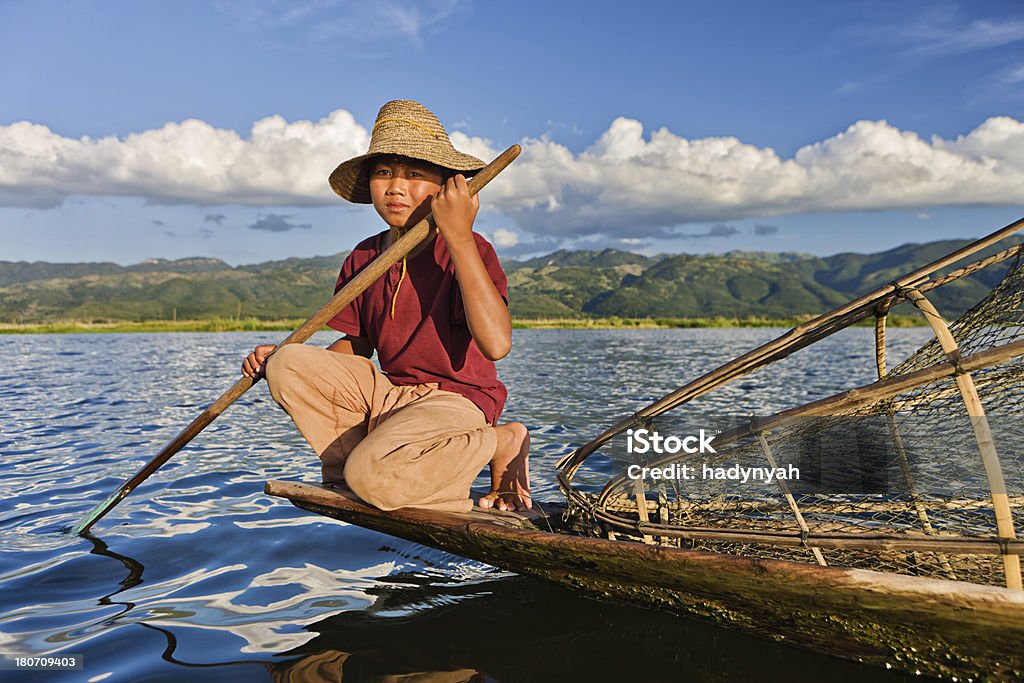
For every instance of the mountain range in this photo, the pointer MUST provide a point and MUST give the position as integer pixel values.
(563, 284)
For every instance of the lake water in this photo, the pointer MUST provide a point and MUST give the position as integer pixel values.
(199, 574)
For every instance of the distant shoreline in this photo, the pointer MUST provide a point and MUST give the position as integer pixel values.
(255, 325)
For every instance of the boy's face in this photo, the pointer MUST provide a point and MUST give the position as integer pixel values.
(401, 189)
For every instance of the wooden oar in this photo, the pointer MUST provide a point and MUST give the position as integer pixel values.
(343, 298)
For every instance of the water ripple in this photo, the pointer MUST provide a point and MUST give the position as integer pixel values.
(204, 560)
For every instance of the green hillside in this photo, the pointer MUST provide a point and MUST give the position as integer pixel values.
(564, 284)
(696, 286)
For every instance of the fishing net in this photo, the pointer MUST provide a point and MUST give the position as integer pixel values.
(919, 473)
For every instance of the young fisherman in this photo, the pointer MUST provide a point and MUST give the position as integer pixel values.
(418, 433)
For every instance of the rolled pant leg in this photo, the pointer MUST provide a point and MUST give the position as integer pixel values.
(425, 454)
(329, 397)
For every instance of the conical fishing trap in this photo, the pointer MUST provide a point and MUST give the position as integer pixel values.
(920, 472)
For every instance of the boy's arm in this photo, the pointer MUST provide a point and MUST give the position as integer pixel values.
(358, 346)
(486, 313)
(253, 364)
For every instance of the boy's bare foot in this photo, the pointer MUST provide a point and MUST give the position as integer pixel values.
(510, 470)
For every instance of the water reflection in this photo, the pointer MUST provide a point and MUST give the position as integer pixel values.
(134, 578)
(512, 629)
(524, 630)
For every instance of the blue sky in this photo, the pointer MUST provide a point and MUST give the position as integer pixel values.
(131, 130)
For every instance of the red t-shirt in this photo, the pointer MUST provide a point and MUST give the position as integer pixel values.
(428, 339)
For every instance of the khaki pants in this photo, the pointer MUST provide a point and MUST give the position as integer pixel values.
(394, 446)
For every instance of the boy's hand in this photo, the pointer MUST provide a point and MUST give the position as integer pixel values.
(455, 209)
(253, 364)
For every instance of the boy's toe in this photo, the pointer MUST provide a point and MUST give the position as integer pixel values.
(490, 500)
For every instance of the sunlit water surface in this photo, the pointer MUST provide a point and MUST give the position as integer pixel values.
(199, 574)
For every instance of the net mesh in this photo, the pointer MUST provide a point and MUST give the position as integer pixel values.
(897, 484)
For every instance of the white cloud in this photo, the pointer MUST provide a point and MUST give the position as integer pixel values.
(505, 238)
(279, 164)
(632, 186)
(628, 184)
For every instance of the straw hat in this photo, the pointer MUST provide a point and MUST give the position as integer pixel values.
(406, 128)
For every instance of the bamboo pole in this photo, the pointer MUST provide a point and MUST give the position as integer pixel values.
(982, 433)
(909, 542)
(881, 314)
(970, 269)
(343, 298)
(622, 502)
(955, 545)
(789, 497)
(641, 504)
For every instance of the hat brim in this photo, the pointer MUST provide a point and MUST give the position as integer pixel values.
(351, 179)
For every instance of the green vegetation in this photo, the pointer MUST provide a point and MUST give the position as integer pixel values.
(616, 322)
(582, 289)
(214, 325)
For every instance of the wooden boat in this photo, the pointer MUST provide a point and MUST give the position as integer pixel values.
(924, 578)
(934, 626)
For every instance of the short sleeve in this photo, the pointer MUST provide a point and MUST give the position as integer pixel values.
(494, 270)
(348, 320)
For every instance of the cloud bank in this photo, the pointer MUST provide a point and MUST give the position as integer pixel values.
(630, 185)
(279, 164)
(627, 183)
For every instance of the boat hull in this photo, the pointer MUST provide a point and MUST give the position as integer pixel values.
(931, 626)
